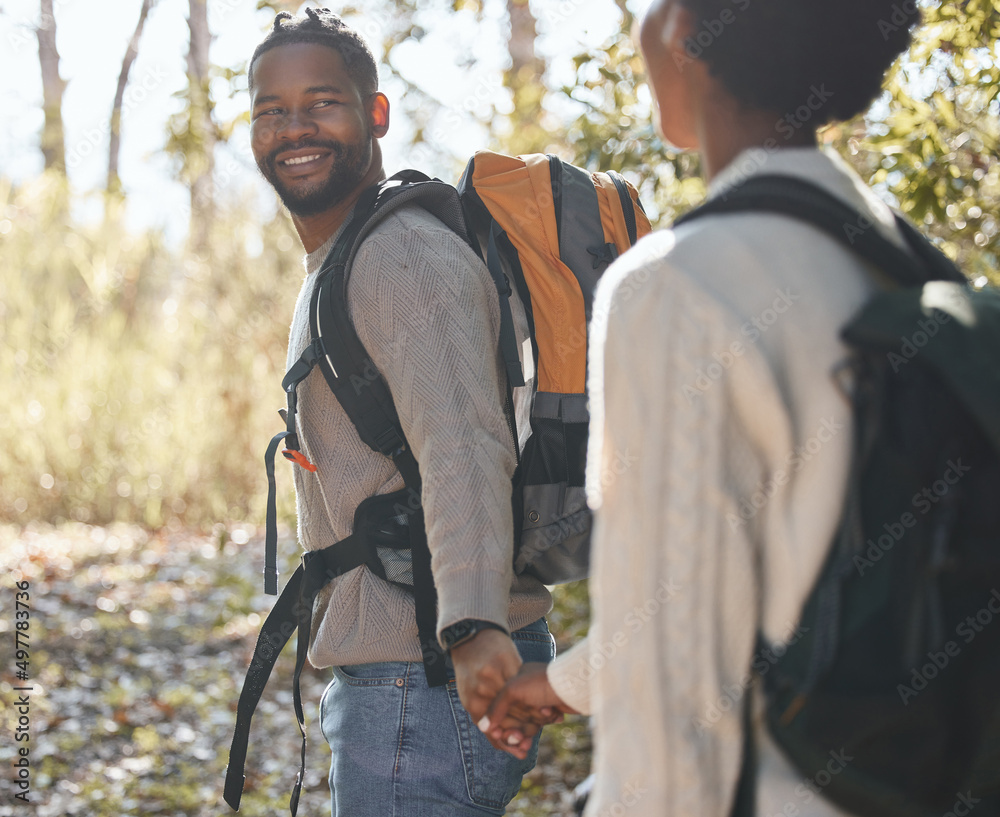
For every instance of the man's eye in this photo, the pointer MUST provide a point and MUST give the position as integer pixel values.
(323, 103)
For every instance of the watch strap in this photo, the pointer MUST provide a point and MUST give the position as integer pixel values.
(464, 630)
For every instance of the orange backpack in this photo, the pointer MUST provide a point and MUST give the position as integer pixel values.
(552, 229)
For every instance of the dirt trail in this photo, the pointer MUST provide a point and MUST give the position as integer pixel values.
(138, 643)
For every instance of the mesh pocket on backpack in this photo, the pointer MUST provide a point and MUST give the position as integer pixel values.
(557, 449)
(397, 564)
(555, 527)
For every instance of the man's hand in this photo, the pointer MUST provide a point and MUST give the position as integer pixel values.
(483, 664)
(526, 704)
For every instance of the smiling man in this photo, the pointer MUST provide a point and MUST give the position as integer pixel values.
(426, 310)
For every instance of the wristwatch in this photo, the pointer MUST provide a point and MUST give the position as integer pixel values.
(462, 631)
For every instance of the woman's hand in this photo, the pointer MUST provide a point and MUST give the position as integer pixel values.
(523, 706)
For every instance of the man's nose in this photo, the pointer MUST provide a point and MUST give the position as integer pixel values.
(296, 126)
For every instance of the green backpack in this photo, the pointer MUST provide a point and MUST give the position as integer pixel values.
(897, 674)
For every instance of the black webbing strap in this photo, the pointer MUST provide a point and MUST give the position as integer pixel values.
(745, 797)
(274, 634)
(292, 610)
(271, 526)
(295, 375)
(425, 604)
(803, 200)
(508, 338)
(628, 207)
(424, 591)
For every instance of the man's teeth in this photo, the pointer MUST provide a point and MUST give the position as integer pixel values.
(301, 160)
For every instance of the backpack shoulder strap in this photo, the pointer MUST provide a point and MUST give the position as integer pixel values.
(336, 349)
(797, 198)
(345, 363)
(357, 384)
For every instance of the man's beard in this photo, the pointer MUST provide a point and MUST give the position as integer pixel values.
(350, 163)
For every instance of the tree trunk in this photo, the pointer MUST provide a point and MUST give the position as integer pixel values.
(53, 137)
(521, 44)
(524, 78)
(202, 127)
(114, 183)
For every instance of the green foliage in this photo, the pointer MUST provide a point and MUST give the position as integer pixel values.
(615, 130)
(935, 150)
(929, 145)
(143, 380)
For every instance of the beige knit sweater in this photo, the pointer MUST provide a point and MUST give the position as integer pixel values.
(426, 310)
(719, 450)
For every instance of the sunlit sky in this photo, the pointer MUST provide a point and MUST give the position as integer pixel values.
(92, 39)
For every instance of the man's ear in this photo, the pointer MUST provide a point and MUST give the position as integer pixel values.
(378, 114)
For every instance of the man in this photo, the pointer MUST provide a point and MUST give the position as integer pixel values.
(685, 577)
(426, 310)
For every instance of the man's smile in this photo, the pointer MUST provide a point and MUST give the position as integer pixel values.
(302, 161)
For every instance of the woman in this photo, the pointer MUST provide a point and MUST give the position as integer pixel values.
(715, 348)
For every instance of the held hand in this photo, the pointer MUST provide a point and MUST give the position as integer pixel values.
(483, 664)
(526, 704)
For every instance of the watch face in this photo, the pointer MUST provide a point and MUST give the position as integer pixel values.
(459, 632)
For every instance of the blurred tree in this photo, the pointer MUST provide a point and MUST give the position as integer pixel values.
(613, 127)
(193, 131)
(200, 124)
(135, 355)
(929, 144)
(114, 183)
(53, 86)
(932, 142)
(525, 79)
(279, 5)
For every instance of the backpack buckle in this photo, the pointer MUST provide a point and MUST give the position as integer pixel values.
(298, 458)
(603, 254)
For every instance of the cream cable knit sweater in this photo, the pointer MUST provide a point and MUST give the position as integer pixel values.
(426, 310)
(720, 445)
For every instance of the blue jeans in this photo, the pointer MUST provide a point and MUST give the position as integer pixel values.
(403, 749)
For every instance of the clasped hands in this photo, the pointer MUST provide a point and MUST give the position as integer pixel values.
(509, 700)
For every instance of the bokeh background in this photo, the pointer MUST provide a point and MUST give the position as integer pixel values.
(147, 277)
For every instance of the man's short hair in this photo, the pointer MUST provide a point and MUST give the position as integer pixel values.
(323, 27)
(774, 55)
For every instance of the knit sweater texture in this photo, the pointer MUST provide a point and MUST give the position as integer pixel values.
(713, 379)
(426, 310)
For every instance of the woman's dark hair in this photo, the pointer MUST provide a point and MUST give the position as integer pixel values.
(323, 27)
(774, 55)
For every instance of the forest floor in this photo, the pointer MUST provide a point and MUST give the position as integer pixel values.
(137, 646)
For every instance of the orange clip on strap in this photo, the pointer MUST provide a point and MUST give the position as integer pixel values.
(298, 458)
